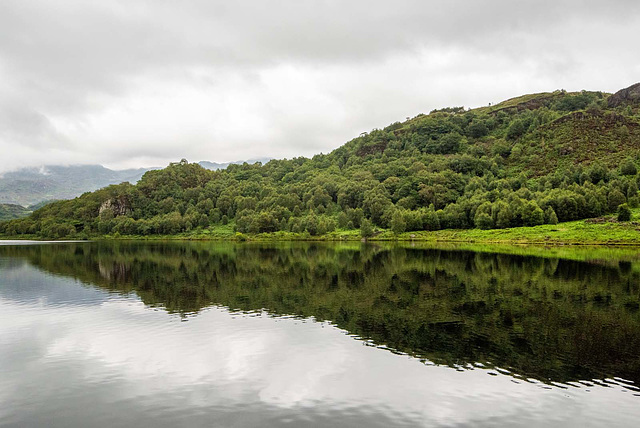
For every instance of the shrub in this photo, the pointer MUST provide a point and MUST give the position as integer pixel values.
(624, 213)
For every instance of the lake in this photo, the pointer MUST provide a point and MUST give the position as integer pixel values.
(119, 334)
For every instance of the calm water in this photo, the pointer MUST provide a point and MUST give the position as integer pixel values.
(208, 334)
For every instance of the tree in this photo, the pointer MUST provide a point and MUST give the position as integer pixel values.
(265, 222)
(628, 167)
(283, 224)
(311, 224)
(449, 143)
(366, 228)
(355, 216)
(516, 129)
(398, 224)
(550, 216)
(478, 129)
(624, 213)
(376, 202)
(430, 220)
(598, 172)
(483, 221)
(594, 208)
(616, 198)
(566, 207)
(204, 221)
(632, 190)
(501, 148)
(502, 214)
(343, 220)
(532, 214)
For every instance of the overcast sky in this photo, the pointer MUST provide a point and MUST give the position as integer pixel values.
(141, 83)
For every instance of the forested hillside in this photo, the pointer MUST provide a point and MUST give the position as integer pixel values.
(11, 211)
(29, 186)
(535, 159)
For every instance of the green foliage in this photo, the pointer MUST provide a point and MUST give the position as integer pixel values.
(578, 101)
(598, 172)
(366, 229)
(516, 129)
(628, 167)
(532, 214)
(12, 211)
(521, 162)
(624, 213)
(616, 198)
(483, 221)
(398, 223)
(430, 220)
(478, 129)
(550, 216)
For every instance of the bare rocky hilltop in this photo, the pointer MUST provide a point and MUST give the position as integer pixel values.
(626, 96)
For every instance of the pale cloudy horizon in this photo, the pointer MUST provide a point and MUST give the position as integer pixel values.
(144, 83)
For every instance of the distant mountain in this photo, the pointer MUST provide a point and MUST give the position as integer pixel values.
(40, 204)
(32, 186)
(214, 166)
(28, 186)
(11, 211)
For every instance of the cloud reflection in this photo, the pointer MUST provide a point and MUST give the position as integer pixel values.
(64, 363)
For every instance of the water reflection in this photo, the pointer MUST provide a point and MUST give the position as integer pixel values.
(76, 327)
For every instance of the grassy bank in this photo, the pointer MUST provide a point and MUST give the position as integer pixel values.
(601, 231)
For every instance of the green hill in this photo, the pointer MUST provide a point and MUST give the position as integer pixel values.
(531, 160)
(30, 186)
(12, 211)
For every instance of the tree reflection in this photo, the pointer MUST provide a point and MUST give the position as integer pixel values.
(552, 319)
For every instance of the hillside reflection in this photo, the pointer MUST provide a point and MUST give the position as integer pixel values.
(552, 319)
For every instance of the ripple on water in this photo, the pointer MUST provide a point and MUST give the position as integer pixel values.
(72, 353)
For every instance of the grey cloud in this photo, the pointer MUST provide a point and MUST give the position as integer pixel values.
(64, 64)
(20, 124)
(89, 46)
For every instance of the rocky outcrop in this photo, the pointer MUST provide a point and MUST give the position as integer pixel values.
(627, 96)
(118, 206)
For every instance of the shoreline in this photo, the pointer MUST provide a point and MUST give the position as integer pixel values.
(25, 240)
(603, 232)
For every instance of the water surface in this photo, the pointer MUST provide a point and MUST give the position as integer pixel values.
(211, 334)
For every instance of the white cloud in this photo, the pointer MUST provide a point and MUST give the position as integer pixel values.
(121, 351)
(143, 83)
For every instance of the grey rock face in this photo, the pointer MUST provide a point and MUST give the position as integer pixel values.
(118, 206)
(630, 95)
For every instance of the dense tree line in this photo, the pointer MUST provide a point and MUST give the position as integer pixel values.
(526, 162)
